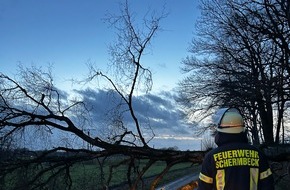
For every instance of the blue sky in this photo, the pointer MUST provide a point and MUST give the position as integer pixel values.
(70, 33)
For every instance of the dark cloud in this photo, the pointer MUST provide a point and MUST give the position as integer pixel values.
(157, 111)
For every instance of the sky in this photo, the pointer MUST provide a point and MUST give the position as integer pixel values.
(69, 34)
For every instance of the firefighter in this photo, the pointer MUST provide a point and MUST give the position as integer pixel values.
(234, 164)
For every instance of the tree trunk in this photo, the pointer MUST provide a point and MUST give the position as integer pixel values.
(267, 123)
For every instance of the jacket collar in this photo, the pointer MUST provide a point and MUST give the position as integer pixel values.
(226, 138)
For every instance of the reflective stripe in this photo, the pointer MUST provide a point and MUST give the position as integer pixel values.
(205, 178)
(254, 176)
(265, 174)
(220, 179)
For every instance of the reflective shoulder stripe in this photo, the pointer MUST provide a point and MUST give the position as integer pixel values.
(205, 178)
(265, 174)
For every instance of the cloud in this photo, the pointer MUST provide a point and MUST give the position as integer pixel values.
(158, 112)
(155, 112)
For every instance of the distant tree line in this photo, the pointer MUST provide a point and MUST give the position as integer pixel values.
(240, 57)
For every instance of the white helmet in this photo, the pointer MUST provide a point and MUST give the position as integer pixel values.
(229, 120)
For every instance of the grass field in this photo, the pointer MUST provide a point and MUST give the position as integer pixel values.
(88, 175)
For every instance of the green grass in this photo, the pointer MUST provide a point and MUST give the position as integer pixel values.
(174, 173)
(87, 175)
